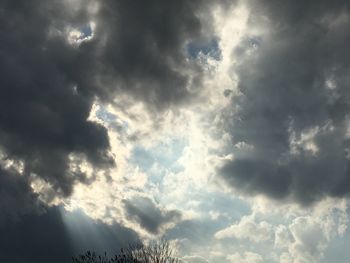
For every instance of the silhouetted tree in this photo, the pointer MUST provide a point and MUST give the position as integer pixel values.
(158, 252)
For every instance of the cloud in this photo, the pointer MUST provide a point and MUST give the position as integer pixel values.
(43, 116)
(194, 259)
(291, 105)
(145, 58)
(148, 58)
(310, 239)
(282, 236)
(247, 228)
(149, 215)
(307, 236)
(47, 237)
(285, 233)
(246, 257)
(58, 58)
(90, 84)
(16, 197)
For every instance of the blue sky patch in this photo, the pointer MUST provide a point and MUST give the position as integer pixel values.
(210, 48)
(164, 154)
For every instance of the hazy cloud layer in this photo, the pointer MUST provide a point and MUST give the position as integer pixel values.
(292, 112)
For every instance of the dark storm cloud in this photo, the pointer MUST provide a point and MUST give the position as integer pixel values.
(16, 197)
(48, 85)
(141, 48)
(294, 83)
(47, 238)
(42, 118)
(149, 215)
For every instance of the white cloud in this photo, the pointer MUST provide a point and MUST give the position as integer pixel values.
(247, 228)
(194, 259)
(246, 257)
(283, 237)
(310, 239)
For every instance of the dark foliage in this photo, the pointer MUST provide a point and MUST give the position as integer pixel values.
(159, 252)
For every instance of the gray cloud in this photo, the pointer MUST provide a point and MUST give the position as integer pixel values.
(16, 197)
(42, 118)
(45, 237)
(293, 110)
(141, 48)
(149, 215)
(48, 85)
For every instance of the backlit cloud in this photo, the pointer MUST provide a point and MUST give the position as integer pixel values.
(222, 126)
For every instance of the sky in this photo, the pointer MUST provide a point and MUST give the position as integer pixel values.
(221, 126)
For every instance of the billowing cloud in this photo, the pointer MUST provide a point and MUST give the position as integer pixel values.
(122, 111)
(284, 233)
(247, 228)
(144, 50)
(44, 112)
(291, 106)
(58, 58)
